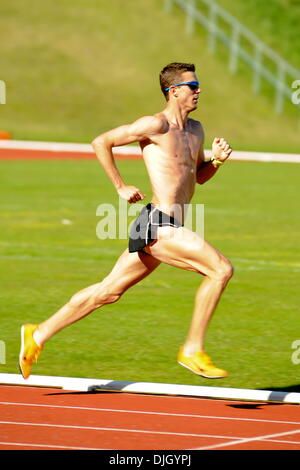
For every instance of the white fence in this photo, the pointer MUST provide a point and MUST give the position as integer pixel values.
(242, 45)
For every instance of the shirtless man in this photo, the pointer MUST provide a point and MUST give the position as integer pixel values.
(172, 146)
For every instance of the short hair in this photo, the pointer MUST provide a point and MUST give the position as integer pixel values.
(170, 74)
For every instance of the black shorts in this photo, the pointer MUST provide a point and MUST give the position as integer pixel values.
(144, 228)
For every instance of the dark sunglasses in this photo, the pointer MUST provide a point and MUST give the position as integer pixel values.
(193, 85)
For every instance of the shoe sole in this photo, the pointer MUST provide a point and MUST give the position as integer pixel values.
(202, 374)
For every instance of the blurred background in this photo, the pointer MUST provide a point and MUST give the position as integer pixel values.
(76, 68)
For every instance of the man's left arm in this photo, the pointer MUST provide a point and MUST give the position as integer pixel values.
(220, 152)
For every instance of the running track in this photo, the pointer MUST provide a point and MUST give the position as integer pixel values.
(35, 418)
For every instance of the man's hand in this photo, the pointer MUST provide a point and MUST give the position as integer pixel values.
(131, 194)
(221, 149)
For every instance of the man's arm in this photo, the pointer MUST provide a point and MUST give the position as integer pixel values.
(138, 131)
(205, 169)
(220, 152)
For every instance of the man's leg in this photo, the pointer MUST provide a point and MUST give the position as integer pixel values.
(128, 270)
(183, 248)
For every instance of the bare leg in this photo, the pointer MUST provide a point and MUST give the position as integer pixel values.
(182, 248)
(206, 300)
(128, 270)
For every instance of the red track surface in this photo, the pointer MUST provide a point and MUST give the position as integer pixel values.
(46, 418)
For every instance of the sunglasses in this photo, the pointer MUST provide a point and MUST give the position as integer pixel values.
(193, 85)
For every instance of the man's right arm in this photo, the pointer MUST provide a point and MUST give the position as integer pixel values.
(141, 129)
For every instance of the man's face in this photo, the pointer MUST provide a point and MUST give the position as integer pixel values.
(188, 95)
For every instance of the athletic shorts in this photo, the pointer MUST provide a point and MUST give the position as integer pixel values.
(144, 228)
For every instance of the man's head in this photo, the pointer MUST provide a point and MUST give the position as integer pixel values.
(180, 75)
(172, 73)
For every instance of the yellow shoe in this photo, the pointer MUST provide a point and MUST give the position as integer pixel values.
(201, 364)
(29, 349)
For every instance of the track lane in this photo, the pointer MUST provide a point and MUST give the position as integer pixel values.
(55, 418)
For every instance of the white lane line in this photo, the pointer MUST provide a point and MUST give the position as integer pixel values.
(96, 428)
(237, 440)
(134, 149)
(282, 441)
(54, 446)
(250, 439)
(180, 415)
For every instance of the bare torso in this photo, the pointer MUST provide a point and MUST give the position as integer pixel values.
(171, 159)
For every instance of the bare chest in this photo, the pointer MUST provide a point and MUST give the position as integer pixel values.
(181, 146)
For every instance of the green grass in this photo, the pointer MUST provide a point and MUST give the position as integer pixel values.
(75, 69)
(251, 215)
(276, 22)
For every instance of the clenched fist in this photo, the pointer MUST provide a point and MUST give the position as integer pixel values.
(221, 149)
(131, 194)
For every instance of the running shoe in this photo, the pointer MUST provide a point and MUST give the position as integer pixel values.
(201, 364)
(29, 349)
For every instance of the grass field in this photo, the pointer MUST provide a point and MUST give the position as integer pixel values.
(275, 21)
(251, 215)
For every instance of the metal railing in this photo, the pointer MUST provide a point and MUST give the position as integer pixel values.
(265, 63)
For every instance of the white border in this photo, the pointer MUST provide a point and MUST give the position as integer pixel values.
(85, 385)
(135, 150)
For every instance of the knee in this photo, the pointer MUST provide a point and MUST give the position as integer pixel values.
(94, 297)
(104, 293)
(104, 296)
(224, 271)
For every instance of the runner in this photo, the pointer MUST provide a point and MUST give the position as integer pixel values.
(172, 147)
